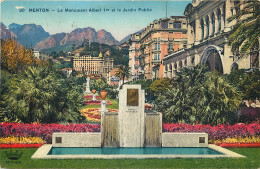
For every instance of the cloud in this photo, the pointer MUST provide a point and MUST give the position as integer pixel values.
(19, 7)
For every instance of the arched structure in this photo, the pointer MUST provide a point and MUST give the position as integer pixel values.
(212, 57)
(254, 56)
(234, 67)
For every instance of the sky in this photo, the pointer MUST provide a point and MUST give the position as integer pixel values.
(108, 15)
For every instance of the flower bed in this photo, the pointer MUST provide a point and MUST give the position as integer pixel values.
(21, 140)
(93, 114)
(43, 130)
(20, 145)
(240, 145)
(95, 102)
(218, 132)
(90, 97)
(238, 134)
(148, 106)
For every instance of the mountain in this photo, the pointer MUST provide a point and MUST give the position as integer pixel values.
(128, 37)
(77, 36)
(6, 33)
(14, 26)
(106, 37)
(50, 42)
(28, 34)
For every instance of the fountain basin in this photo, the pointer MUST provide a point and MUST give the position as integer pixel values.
(212, 151)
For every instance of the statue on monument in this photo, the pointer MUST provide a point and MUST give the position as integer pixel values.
(87, 91)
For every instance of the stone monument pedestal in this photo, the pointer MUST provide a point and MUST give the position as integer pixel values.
(131, 116)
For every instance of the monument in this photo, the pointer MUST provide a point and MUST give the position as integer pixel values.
(87, 90)
(131, 116)
(134, 129)
(131, 126)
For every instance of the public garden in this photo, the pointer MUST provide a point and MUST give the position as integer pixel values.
(37, 99)
(219, 112)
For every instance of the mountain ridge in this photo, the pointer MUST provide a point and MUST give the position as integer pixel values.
(77, 36)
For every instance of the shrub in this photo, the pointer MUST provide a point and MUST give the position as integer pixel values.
(199, 96)
(249, 114)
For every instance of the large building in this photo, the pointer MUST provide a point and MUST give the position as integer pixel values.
(93, 65)
(148, 47)
(208, 33)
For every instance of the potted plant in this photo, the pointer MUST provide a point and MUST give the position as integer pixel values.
(103, 94)
(93, 91)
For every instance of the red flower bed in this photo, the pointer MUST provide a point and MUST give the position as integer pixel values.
(90, 97)
(216, 132)
(43, 130)
(239, 145)
(95, 102)
(20, 145)
(148, 106)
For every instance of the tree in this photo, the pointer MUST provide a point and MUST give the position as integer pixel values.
(200, 96)
(246, 31)
(98, 85)
(15, 57)
(160, 85)
(248, 83)
(123, 72)
(61, 53)
(42, 94)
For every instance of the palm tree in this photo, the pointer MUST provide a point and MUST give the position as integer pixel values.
(123, 72)
(199, 96)
(29, 94)
(42, 95)
(246, 31)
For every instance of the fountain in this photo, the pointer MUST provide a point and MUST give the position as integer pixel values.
(131, 132)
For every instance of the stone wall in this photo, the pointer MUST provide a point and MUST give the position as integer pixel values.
(76, 139)
(184, 140)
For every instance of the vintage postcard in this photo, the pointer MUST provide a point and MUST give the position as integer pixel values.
(130, 84)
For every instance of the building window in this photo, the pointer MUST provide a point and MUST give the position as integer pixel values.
(234, 67)
(157, 46)
(192, 60)
(175, 66)
(156, 25)
(202, 28)
(237, 6)
(170, 46)
(219, 19)
(224, 15)
(156, 56)
(213, 23)
(177, 25)
(170, 25)
(180, 64)
(254, 55)
(207, 26)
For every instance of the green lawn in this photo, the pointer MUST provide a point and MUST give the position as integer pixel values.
(252, 161)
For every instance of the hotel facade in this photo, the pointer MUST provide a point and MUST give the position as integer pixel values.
(93, 65)
(148, 47)
(208, 33)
